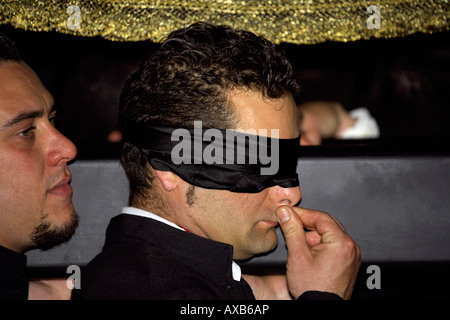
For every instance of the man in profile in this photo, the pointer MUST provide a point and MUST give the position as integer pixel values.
(36, 209)
(194, 211)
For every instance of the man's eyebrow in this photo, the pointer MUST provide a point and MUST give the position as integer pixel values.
(24, 116)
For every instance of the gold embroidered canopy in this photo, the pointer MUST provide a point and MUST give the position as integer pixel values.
(294, 21)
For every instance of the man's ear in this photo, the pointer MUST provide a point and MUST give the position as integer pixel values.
(168, 179)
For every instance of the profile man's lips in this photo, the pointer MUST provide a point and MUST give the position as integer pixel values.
(63, 188)
(270, 222)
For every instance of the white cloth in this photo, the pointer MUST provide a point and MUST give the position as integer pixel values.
(365, 127)
(235, 269)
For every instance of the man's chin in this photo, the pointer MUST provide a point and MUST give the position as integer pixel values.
(48, 235)
(264, 247)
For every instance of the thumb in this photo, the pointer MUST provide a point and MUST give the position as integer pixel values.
(292, 229)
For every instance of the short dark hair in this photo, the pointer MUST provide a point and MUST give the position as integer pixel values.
(8, 50)
(187, 79)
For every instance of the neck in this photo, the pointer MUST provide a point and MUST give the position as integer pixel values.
(11, 246)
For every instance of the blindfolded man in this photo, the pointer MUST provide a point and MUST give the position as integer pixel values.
(211, 135)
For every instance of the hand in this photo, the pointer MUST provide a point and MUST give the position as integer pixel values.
(322, 259)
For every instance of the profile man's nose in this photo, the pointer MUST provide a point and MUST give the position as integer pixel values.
(62, 150)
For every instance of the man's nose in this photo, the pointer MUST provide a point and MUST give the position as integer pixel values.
(62, 149)
(286, 196)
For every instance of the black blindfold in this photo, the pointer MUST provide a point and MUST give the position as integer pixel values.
(219, 159)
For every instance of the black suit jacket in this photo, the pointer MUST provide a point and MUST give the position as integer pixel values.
(13, 282)
(145, 259)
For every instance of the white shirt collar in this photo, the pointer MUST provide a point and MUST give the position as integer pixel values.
(142, 213)
(236, 270)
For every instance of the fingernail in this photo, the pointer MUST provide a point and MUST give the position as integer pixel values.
(283, 215)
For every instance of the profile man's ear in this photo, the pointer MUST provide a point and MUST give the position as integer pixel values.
(168, 179)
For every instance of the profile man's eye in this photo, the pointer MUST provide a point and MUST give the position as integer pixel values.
(28, 132)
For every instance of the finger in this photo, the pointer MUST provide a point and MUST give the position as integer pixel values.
(292, 229)
(312, 219)
(321, 222)
(337, 222)
(312, 238)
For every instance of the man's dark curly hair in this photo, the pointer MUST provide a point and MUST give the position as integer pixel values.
(187, 79)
